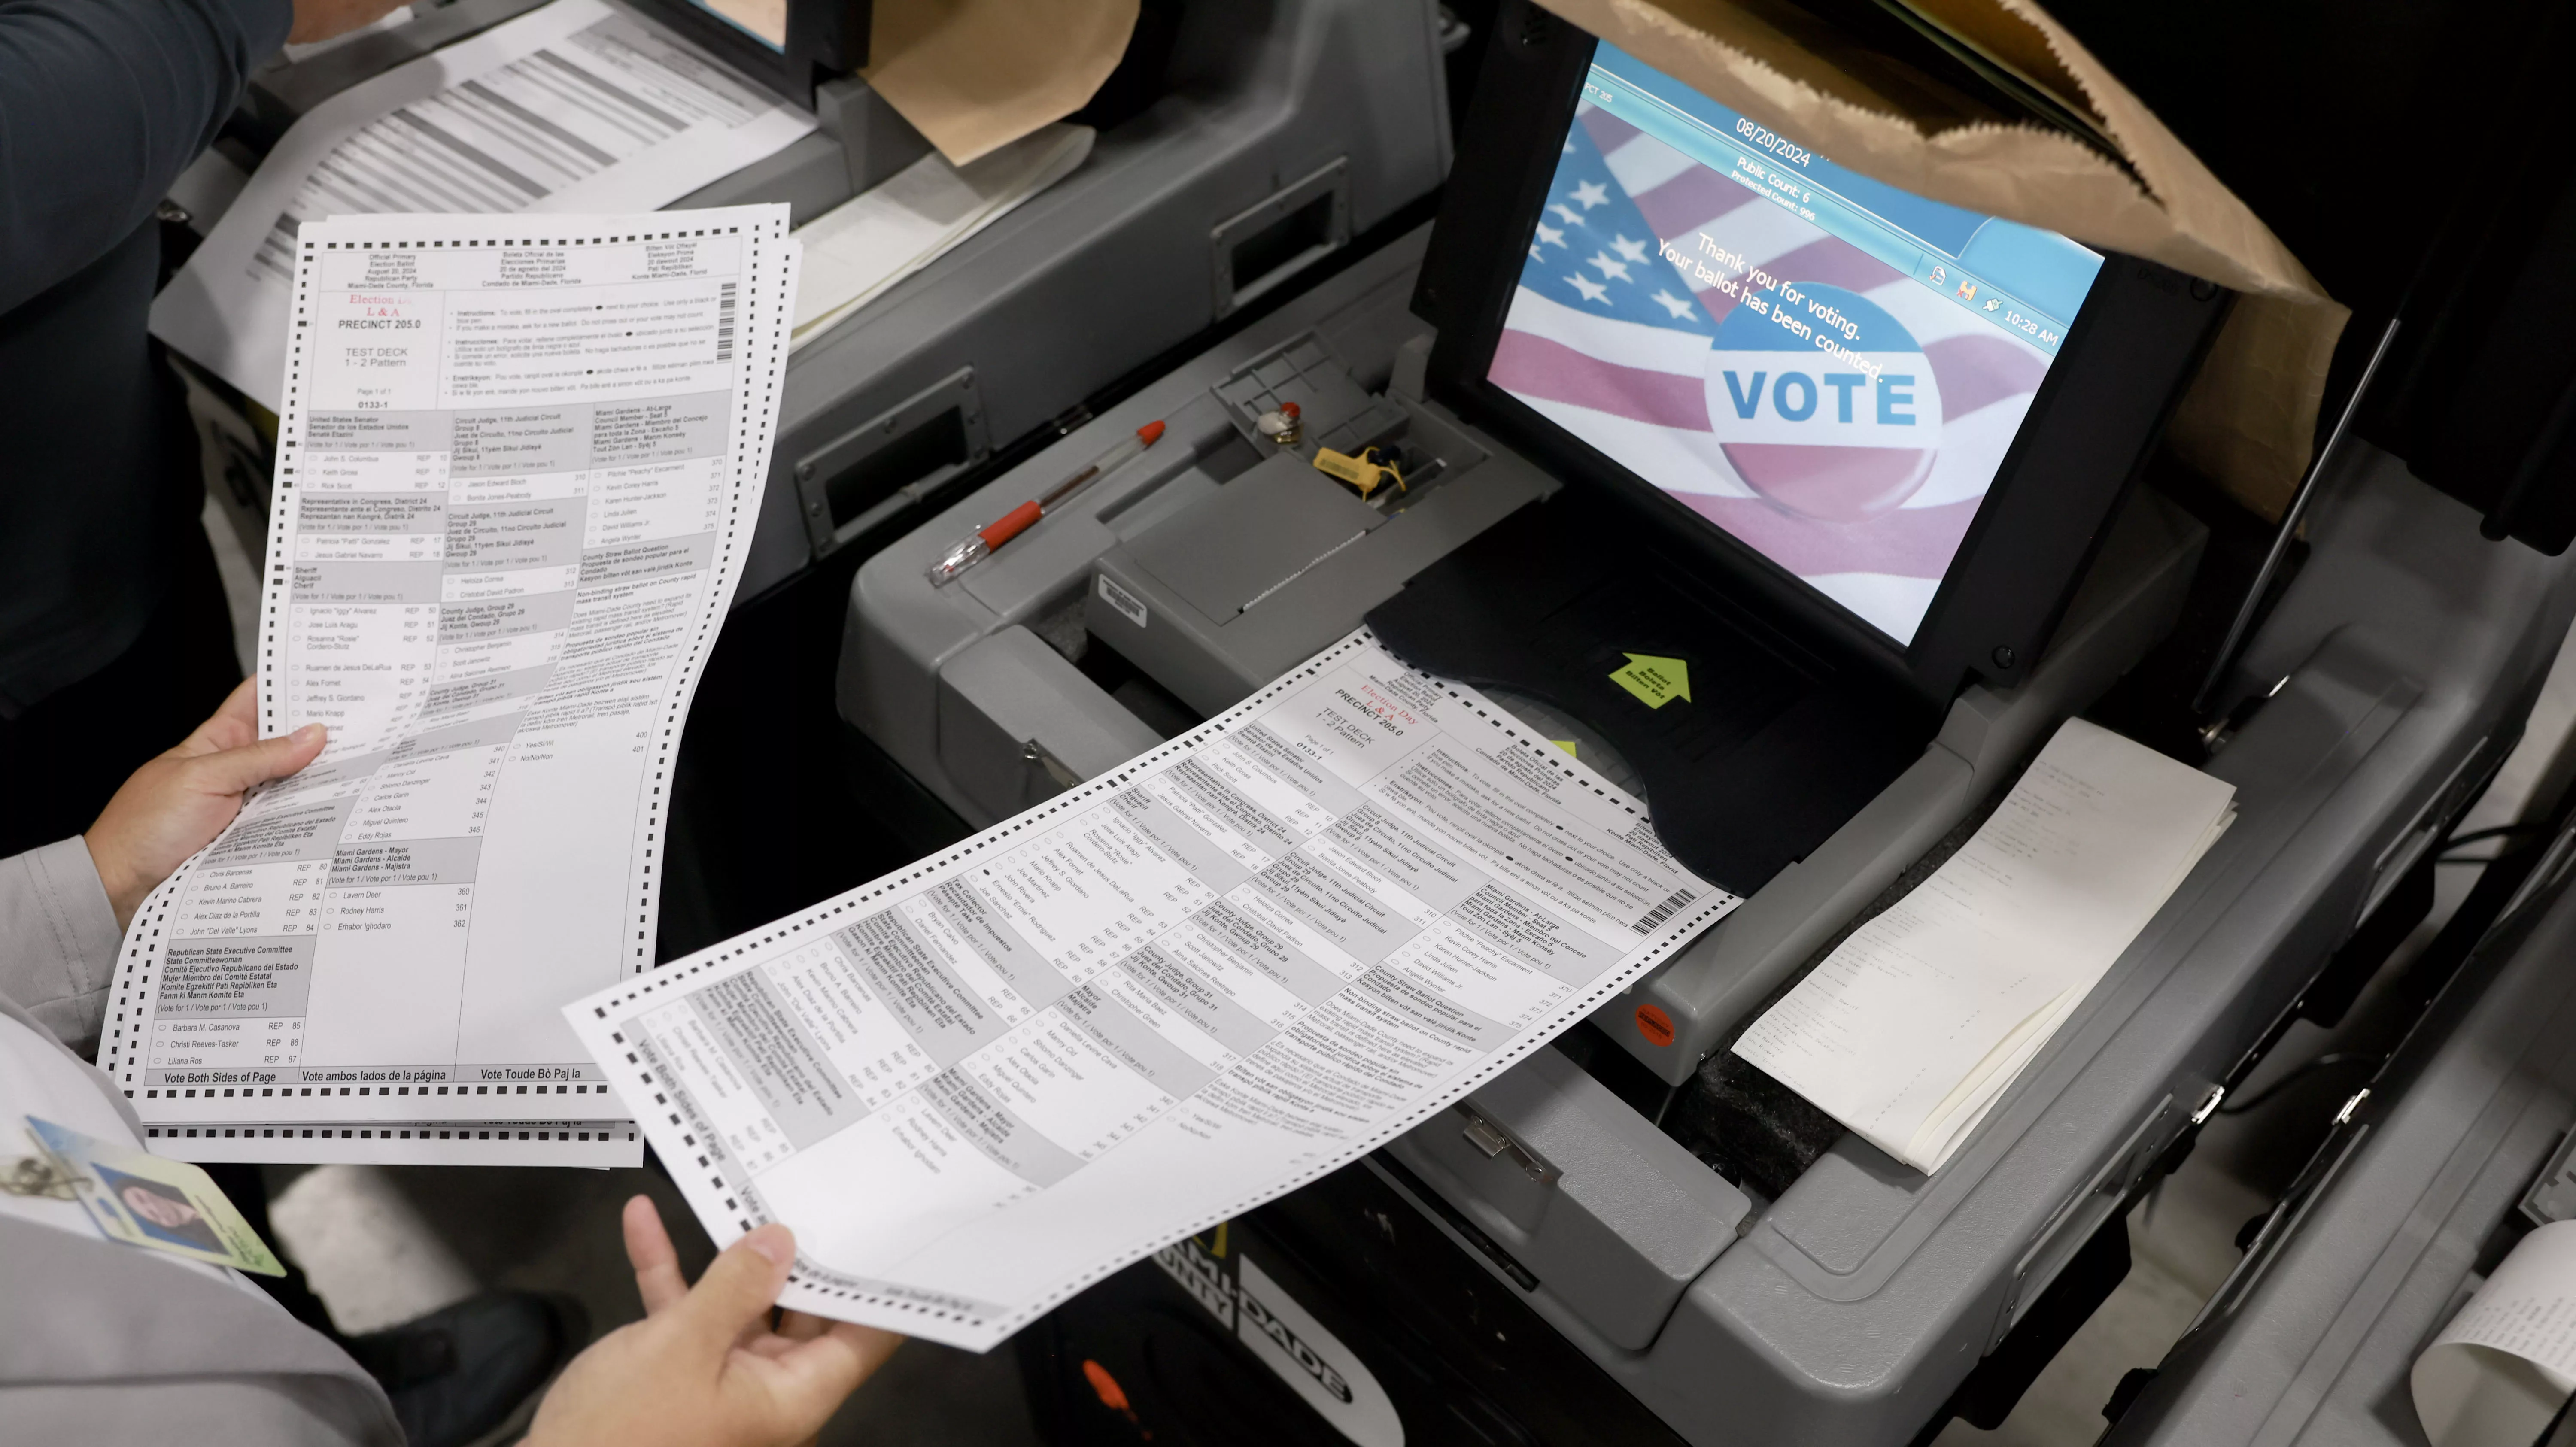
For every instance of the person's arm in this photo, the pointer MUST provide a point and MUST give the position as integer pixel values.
(102, 104)
(58, 940)
(64, 908)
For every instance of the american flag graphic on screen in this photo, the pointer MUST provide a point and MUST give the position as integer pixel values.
(1838, 415)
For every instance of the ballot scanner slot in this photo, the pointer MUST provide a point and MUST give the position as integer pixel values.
(1766, 746)
(1133, 689)
(890, 463)
(1217, 460)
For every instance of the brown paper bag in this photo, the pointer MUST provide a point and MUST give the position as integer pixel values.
(2249, 420)
(975, 75)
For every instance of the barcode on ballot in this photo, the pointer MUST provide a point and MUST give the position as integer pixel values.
(1661, 912)
(724, 322)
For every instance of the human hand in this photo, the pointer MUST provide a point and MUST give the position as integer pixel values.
(322, 19)
(176, 804)
(704, 1368)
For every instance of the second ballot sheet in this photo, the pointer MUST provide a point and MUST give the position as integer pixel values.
(1237, 963)
(518, 466)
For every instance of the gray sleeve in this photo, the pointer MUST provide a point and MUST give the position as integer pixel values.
(58, 941)
(265, 1411)
(108, 1344)
(102, 104)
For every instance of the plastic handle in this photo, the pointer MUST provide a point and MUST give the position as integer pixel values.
(1010, 525)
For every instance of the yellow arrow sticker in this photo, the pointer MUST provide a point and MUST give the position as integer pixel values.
(1655, 681)
(1568, 746)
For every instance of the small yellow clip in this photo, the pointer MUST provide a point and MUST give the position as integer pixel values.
(1364, 474)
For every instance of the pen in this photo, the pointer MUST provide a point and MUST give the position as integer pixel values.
(975, 547)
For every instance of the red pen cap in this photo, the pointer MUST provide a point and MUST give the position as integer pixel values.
(1150, 433)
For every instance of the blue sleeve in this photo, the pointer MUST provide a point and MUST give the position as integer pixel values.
(102, 104)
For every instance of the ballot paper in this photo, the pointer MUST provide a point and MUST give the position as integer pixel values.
(1911, 1029)
(856, 250)
(2500, 1371)
(518, 469)
(576, 107)
(394, 19)
(1230, 966)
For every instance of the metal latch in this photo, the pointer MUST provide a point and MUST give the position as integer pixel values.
(1037, 753)
(1493, 1140)
(2209, 1107)
(2218, 733)
(2553, 1196)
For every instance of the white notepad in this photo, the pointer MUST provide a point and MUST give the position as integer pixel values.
(1912, 1027)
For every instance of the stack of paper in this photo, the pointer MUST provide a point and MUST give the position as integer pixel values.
(863, 246)
(1910, 1030)
(515, 480)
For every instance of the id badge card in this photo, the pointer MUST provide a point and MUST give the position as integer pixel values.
(145, 1200)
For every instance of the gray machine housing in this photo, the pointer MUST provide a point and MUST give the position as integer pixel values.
(2460, 1147)
(1219, 561)
(1286, 129)
(1849, 1309)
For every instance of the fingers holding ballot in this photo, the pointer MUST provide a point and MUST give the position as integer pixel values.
(179, 801)
(707, 1366)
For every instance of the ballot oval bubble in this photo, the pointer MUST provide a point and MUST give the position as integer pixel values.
(1823, 403)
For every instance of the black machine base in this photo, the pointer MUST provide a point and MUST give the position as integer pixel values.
(1260, 1334)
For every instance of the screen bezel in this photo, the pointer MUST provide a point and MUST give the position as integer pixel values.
(750, 57)
(824, 38)
(2131, 348)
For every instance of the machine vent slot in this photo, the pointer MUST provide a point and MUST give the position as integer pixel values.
(1309, 228)
(935, 443)
(1298, 225)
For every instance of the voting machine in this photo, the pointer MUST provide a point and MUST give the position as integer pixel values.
(1239, 148)
(1581, 415)
(1843, 665)
(2437, 1165)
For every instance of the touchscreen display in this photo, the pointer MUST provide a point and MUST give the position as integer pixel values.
(1824, 366)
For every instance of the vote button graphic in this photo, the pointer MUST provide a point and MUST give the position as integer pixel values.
(1823, 403)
